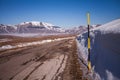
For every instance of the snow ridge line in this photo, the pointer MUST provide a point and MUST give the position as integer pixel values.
(6, 47)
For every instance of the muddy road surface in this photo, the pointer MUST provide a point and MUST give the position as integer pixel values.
(56, 60)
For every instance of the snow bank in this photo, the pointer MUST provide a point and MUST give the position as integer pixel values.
(105, 50)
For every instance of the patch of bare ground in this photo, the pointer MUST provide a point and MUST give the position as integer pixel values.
(72, 70)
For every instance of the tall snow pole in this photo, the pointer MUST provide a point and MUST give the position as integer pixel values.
(88, 24)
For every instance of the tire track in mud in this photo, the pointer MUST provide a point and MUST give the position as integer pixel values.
(43, 77)
(54, 77)
(32, 71)
(36, 59)
(49, 69)
(22, 76)
(58, 73)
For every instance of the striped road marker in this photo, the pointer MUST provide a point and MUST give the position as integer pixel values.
(88, 23)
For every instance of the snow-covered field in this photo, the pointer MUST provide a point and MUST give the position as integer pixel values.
(105, 50)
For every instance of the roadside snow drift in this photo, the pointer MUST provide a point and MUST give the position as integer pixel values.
(105, 50)
(6, 47)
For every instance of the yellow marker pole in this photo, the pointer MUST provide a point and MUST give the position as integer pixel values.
(88, 22)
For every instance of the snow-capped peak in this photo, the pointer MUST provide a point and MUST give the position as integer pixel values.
(47, 24)
(37, 23)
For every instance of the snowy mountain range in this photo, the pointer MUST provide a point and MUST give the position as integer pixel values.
(40, 27)
(80, 29)
(30, 27)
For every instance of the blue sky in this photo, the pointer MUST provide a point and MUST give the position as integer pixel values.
(64, 13)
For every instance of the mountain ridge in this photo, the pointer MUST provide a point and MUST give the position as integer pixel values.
(31, 27)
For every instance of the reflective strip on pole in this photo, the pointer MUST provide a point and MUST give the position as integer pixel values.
(88, 22)
(88, 42)
(88, 18)
(89, 65)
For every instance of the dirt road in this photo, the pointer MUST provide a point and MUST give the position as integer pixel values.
(55, 60)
